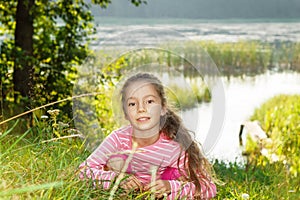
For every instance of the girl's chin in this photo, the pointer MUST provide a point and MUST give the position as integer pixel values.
(144, 132)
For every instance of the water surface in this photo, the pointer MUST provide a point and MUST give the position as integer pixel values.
(243, 96)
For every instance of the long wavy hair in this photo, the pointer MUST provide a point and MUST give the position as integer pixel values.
(199, 170)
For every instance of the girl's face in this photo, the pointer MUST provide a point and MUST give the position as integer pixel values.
(143, 108)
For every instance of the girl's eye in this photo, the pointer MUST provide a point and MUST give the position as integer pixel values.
(150, 101)
(131, 104)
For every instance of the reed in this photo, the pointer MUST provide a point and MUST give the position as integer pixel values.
(232, 58)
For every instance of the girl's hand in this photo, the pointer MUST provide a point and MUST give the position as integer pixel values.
(115, 164)
(131, 183)
(160, 187)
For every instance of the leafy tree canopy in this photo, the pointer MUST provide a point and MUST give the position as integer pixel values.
(44, 40)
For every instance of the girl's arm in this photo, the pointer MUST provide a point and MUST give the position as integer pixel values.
(94, 166)
(181, 190)
(184, 189)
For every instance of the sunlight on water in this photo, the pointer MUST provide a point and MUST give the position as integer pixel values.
(242, 97)
(194, 30)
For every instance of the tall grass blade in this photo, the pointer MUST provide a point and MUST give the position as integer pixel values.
(8, 131)
(30, 188)
(49, 104)
(17, 141)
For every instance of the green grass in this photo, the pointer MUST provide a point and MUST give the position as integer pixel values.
(259, 182)
(35, 168)
(188, 97)
(38, 165)
(32, 169)
(280, 117)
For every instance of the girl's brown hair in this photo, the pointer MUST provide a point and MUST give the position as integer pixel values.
(199, 169)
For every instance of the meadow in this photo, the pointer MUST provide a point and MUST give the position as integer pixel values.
(45, 167)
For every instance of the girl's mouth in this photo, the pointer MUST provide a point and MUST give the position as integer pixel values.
(143, 119)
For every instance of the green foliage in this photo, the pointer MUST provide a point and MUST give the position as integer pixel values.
(181, 97)
(245, 56)
(280, 118)
(36, 169)
(61, 37)
(288, 56)
(231, 58)
(111, 74)
(186, 98)
(241, 57)
(61, 30)
(256, 182)
(93, 114)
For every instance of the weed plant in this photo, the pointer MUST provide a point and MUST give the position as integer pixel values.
(39, 168)
(280, 117)
(267, 182)
(45, 167)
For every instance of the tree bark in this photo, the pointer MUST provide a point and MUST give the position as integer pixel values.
(23, 67)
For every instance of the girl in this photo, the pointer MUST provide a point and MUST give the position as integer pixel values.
(156, 139)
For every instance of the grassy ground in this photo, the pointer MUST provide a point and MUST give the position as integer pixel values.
(261, 182)
(40, 167)
(47, 170)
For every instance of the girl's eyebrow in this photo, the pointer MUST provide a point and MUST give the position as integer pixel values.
(130, 98)
(134, 98)
(150, 95)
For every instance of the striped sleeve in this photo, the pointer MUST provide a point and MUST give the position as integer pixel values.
(187, 190)
(94, 166)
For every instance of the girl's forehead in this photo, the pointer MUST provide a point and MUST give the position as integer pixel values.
(140, 88)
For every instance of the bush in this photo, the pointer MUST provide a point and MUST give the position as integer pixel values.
(280, 117)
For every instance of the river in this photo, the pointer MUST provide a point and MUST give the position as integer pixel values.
(242, 97)
(109, 29)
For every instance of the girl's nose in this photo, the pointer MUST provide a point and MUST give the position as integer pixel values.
(141, 107)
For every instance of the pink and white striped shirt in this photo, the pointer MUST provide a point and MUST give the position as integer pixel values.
(163, 154)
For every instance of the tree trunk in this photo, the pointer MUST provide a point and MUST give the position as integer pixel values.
(23, 68)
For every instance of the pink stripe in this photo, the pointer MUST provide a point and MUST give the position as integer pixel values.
(164, 153)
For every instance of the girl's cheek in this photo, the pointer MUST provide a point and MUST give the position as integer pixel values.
(155, 109)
